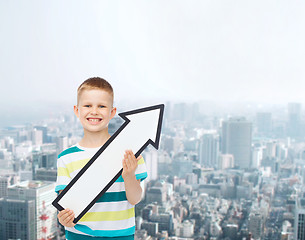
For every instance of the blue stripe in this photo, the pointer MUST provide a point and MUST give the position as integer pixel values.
(141, 176)
(75, 236)
(113, 197)
(120, 179)
(59, 187)
(105, 233)
(70, 150)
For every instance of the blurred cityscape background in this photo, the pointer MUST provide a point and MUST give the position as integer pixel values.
(219, 174)
(231, 75)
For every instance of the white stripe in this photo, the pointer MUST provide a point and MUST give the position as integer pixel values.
(60, 164)
(75, 231)
(138, 171)
(117, 187)
(69, 158)
(141, 168)
(110, 206)
(62, 180)
(74, 173)
(111, 225)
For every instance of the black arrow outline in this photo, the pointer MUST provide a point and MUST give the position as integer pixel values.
(123, 115)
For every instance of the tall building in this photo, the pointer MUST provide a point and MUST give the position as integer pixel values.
(257, 156)
(181, 166)
(61, 143)
(209, 150)
(6, 181)
(256, 225)
(46, 158)
(270, 150)
(151, 161)
(236, 140)
(17, 219)
(299, 219)
(150, 227)
(37, 137)
(264, 123)
(225, 161)
(156, 194)
(42, 193)
(187, 229)
(294, 120)
(230, 231)
(6, 163)
(164, 220)
(44, 130)
(43, 174)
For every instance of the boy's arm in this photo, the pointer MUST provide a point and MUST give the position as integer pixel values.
(132, 185)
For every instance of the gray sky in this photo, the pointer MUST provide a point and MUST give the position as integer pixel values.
(152, 50)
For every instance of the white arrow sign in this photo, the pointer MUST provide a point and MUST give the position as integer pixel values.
(141, 128)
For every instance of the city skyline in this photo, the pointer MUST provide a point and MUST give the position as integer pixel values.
(10, 117)
(201, 182)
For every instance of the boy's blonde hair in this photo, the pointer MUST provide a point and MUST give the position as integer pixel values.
(95, 83)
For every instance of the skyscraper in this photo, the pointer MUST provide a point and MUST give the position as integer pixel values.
(45, 159)
(36, 137)
(6, 181)
(299, 222)
(61, 143)
(294, 120)
(151, 161)
(264, 123)
(209, 150)
(236, 140)
(17, 219)
(256, 224)
(42, 193)
(44, 130)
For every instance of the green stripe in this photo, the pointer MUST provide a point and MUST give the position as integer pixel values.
(70, 150)
(113, 197)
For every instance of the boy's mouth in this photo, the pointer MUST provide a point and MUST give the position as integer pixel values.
(94, 119)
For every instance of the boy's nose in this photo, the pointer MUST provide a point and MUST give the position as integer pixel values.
(94, 110)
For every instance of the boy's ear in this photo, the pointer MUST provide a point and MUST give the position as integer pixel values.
(76, 111)
(113, 112)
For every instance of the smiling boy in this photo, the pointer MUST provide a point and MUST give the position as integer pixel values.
(112, 216)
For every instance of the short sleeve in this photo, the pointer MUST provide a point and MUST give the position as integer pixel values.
(63, 176)
(141, 172)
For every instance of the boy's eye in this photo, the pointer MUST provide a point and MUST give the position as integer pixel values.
(101, 106)
(87, 106)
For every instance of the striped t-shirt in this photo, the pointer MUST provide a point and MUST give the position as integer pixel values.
(112, 215)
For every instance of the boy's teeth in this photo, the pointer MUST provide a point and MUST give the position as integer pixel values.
(94, 120)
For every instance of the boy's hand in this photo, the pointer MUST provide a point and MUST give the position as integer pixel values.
(130, 164)
(66, 217)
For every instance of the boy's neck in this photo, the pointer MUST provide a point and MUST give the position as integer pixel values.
(94, 140)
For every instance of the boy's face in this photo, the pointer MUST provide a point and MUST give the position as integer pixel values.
(95, 110)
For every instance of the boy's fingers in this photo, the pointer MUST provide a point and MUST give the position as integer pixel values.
(128, 163)
(70, 218)
(66, 217)
(65, 214)
(124, 164)
(61, 213)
